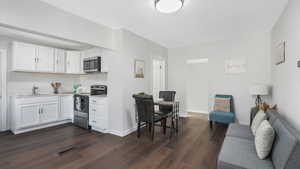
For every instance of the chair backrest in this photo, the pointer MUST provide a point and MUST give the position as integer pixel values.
(232, 109)
(167, 95)
(144, 107)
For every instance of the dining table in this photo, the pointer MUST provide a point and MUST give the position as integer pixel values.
(175, 112)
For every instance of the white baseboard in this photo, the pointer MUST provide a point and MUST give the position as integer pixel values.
(198, 111)
(123, 133)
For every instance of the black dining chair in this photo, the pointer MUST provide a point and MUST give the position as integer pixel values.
(168, 96)
(147, 115)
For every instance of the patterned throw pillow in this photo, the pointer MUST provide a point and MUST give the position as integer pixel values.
(259, 117)
(222, 104)
(264, 139)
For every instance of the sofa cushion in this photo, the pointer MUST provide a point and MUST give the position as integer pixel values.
(286, 148)
(240, 153)
(241, 131)
(272, 115)
(221, 117)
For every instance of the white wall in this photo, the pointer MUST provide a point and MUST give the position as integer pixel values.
(136, 47)
(285, 77)
(37, 16)
(254, 49)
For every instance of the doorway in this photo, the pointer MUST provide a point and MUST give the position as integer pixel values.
(3, 93)
(197, 86)
(159, 77)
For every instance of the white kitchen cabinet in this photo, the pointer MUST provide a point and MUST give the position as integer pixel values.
(73, 59)
(66, 107)
(31, 113)
(98, 114)
(49, 112)
(23, 56)
(60, 61)
(28, 115)
(45, 59)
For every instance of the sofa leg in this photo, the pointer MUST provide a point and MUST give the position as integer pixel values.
(210, 124)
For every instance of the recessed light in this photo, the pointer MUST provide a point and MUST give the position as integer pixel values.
(168, 6)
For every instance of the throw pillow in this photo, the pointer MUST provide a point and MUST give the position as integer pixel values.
(259, 117)
(222, 104)
(264, 139)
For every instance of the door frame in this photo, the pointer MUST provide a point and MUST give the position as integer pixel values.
(4, 117)
(165, 73)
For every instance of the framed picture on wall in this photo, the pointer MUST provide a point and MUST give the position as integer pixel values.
(139, 69)
(280, 53)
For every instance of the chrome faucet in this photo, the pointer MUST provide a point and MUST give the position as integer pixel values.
(35, 90)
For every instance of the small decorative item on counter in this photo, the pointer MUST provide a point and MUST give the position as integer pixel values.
(75, 87)
(55, 86)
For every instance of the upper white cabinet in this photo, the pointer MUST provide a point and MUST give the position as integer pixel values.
(23, 56)
(73, 59)
(60, 61)
(45, 59)
(34, 58)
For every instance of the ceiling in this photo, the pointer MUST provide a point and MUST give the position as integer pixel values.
(198, 21)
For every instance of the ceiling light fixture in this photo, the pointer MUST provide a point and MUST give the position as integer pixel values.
(168, 6)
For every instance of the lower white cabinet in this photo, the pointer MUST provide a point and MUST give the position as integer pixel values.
(66, 107)
(27, 115)
(31, 113)
(98, 114)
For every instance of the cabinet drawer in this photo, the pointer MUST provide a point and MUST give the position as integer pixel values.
(98, 100)
(98, 110)
(38, 99)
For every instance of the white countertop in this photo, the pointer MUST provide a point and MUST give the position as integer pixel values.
(52, 94)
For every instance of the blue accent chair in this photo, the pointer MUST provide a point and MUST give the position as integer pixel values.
(220, 116)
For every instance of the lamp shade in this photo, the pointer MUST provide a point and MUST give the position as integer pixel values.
(259, 90)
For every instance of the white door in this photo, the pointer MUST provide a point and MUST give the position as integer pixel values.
(66, 107)
(24, 56)
(49, 112)
(73, 64)
(45, 59)
(158, 77)
(29, 115)
(60, 60)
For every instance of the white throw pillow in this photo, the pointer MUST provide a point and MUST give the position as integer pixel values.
(259, 117)
(264, 139)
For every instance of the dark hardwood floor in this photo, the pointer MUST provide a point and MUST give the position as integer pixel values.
(193, 148)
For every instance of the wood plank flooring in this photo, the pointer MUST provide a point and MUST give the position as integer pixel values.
(193, 148)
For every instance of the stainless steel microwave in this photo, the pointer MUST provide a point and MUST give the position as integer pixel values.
(92, 64)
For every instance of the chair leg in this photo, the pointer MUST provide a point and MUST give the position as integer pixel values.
(210, 124)
(172, 126)
(164, 126)
(152, 134)
(139, 129)
(149, 127)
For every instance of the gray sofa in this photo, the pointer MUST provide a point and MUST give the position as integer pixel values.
(238, 150)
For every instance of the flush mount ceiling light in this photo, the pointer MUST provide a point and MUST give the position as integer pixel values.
(168, 6)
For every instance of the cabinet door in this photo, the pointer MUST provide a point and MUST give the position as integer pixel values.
(49, 112)
(100, 116)
(66, 107)
(60, 60)
(24, 56)
(29, 115)
(73, 64)
(45, 59)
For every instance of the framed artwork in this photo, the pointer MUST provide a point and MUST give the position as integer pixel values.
(235, 66)
(139, 69)
(280, 53)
